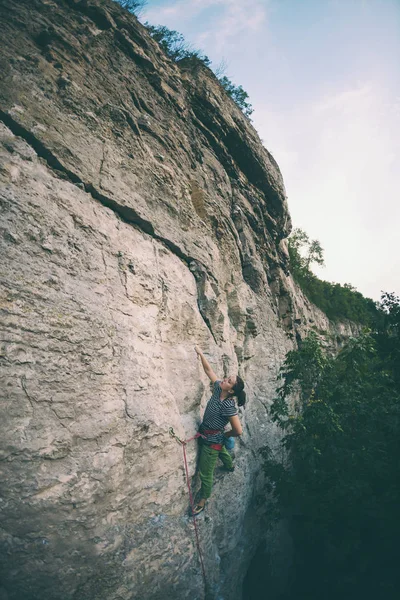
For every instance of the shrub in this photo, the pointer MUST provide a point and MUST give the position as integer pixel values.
(174, 44)
(335, 300)
(134, 6)
(340, 418)
(238, 94)
(176, 48)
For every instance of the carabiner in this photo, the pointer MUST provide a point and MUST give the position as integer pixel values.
(173, 434)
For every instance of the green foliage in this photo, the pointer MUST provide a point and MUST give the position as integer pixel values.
(337, 301)
(237, 93)
(300, 244)
(176, 48)
(174, 44)
(340, 481)
(306, 366)
(388, 334)
(134, 6)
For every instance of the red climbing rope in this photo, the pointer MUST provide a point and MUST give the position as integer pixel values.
(183, 444)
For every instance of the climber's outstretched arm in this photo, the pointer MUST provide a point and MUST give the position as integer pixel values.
(206, 365)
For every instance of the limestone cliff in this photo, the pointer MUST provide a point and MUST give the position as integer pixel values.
(140, 215)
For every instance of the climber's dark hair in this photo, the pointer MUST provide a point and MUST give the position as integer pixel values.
(238, 391)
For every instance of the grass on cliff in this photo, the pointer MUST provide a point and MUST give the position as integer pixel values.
(335, 300)
(177, 48)
(133, 6)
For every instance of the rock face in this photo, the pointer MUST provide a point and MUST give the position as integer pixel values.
(140, 215)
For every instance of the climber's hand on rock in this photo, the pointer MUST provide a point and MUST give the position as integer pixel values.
(206, 365)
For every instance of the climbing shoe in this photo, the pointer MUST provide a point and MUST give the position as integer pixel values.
(197, 509)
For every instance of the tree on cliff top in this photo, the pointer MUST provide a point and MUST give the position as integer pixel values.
(335, 300)
(238, 95)
(304, 252)
(174, 44)
(134, 6)
(176, 48)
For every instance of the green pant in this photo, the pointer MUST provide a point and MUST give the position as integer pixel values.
(208, 460)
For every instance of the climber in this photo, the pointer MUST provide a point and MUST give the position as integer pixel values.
(220, 410)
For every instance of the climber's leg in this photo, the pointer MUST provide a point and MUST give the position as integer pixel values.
(208, 460)
(226, 459)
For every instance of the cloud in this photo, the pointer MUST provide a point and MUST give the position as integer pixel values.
(357, 126)
(230, 18)
(185, 10)
(332, 124)
(339, 158)
(345, 100)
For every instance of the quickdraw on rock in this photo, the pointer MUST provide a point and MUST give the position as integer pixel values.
(183, 444)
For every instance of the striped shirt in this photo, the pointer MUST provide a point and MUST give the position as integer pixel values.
(216, 415)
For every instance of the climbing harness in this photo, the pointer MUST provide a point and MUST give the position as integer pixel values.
(213, 432)
(183, 444)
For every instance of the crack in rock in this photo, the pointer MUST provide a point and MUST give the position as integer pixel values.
(126, 213)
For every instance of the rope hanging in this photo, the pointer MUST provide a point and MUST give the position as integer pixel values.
(183, 444)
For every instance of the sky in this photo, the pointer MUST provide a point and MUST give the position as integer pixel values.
(323, 77)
